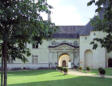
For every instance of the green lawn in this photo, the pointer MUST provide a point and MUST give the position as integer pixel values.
(95, 71)
(52, 78)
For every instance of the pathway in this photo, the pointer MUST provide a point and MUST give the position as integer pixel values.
(78, 73)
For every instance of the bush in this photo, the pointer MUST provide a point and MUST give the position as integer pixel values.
(87, 68)
(65, 70)
(57, 67)
(80, 68)
(60, 68)
(101, 71)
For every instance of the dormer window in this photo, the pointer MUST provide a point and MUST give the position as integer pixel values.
(75, 43)
(54, 42)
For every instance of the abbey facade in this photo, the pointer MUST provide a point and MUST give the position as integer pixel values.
(69, 47)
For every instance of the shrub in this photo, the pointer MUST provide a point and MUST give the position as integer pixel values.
(101, 71)
(57, 67)
(80, 68)
(65, 70)
(87, 68)
(60, 68)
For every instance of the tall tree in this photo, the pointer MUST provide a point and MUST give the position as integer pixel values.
(103, 22)
(21, 23)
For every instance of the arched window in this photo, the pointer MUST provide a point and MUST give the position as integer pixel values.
(88, 58)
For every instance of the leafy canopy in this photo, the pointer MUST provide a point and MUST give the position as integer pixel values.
(103, 22)
(21, 23)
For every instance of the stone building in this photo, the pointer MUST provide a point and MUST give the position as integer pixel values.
(68, 47)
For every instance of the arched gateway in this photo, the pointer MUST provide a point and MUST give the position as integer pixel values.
(63, 60)
(63, 54)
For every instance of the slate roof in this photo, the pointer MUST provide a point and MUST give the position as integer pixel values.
(86, 30)
(72, 31)
(64, 35)
(68, 32)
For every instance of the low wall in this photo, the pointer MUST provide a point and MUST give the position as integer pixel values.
(27, 66)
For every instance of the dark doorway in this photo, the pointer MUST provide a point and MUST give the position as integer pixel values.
(64, 63)
(110, 62)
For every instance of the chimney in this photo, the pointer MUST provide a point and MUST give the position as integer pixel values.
(49, 16)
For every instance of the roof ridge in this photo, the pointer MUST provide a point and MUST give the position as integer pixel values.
(70, 25)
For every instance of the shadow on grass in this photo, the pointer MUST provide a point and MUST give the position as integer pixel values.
(29, 72)
(76, 81)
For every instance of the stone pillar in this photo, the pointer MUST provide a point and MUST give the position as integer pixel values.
(82, 60)
(69, 64)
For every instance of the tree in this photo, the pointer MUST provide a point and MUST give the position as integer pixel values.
(103, 22)
(21, 23)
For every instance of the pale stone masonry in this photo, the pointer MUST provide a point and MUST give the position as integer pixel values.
(69, 45)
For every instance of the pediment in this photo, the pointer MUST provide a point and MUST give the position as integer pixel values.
(63, 46)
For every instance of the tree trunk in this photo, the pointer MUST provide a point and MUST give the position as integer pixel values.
(5, 71)
(2, 71)
(5, 54)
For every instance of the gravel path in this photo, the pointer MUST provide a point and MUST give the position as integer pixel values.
(78, 73)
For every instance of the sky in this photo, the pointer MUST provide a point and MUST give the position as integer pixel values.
(70, 12)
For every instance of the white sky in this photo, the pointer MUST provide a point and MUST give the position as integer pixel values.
(70, 12)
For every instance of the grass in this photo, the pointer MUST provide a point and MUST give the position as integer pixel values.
(95, 71)
(52, 78)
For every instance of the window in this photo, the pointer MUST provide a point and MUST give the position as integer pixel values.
(35, 59)
(54, 43)
(85, 38)
(94, 34)
(75, 43)
(35, 45)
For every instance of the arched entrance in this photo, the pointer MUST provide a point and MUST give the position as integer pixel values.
(63, 60)
(88, 58)
(110, 62)
(64, 63)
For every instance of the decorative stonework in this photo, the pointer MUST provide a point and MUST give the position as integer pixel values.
(64, 49)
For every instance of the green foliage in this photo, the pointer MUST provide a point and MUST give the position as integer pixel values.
(101, 71)
(103, 23)
(65, 70)
(88, 68)
(21, 23)
(80, 68)
(90, 3)
(62, 69)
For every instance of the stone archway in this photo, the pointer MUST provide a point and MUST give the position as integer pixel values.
(63, 60)
(88, 58)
